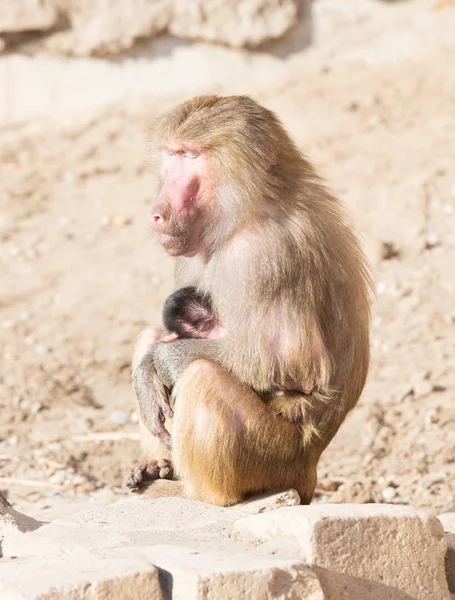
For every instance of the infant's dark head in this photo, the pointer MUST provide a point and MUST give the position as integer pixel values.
(188, 313)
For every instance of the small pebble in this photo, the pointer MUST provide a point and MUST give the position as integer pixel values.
(120, 418)
(24, 157)
(422, 387)
(120, 221)
(431, 416)
(389, 250)
(41, 349)
(380, 288)
(389, 493)
(69, 177)
(35, 408)
(432, 241)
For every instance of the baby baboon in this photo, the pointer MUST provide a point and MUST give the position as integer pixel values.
(189, 314)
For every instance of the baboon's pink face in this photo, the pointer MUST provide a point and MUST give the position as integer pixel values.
(182, 212)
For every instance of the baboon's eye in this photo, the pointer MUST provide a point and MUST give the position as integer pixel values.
(190, 154)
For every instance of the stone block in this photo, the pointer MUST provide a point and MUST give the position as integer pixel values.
(188, 574)
(139, 514)
(82, 575)
(363, 552)
(125, 522)
(62, 562)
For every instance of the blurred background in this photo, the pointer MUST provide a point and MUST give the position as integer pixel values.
(366, 88)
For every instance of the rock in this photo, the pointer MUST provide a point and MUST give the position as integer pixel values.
(12, 521)
(360, 552)
(265, 502)
(236, 23)
(119, 417)
(120, 221)
(100, 27)
(422, 385)
(389, 493)
(27, 15)
(388, 250)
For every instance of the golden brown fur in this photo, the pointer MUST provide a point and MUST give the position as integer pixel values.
(289, 284)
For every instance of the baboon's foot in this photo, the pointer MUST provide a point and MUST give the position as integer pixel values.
(155, 469)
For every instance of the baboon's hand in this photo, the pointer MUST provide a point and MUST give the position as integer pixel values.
(153, 398)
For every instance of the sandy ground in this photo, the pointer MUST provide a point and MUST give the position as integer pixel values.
(372, 103)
